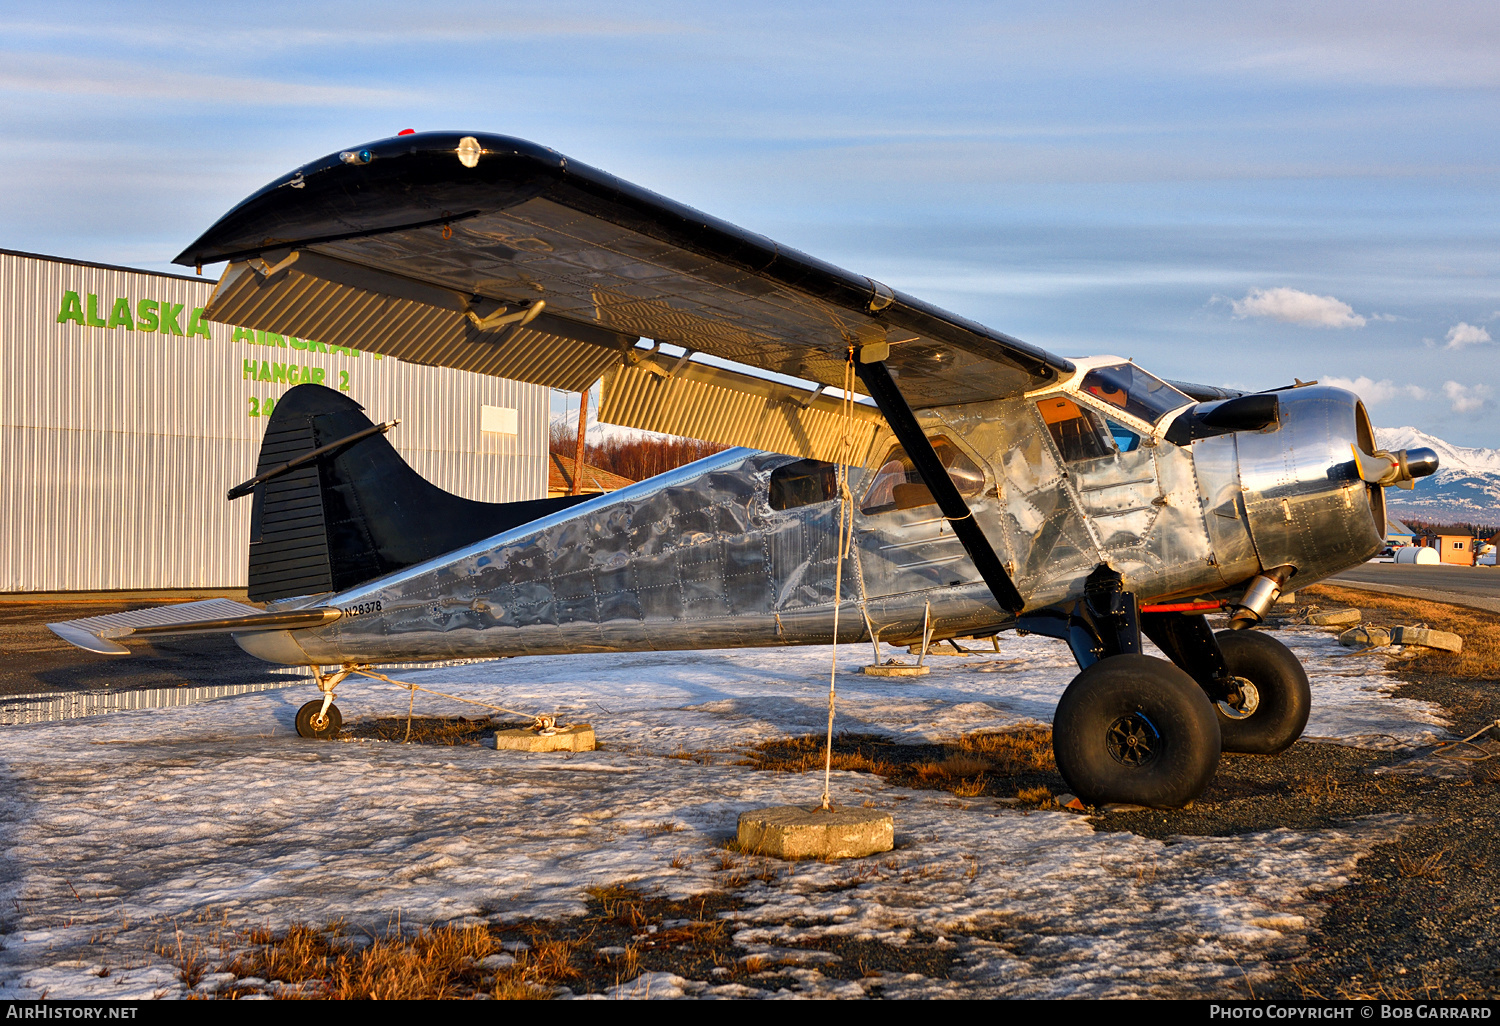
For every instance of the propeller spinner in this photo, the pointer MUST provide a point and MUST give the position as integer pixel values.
(1400, 468)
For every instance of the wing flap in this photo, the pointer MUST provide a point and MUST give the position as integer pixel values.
(310, 295)
(101, 634)
(725, 406)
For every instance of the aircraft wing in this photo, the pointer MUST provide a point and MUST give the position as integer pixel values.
(496, 255)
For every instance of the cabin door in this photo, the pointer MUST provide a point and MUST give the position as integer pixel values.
(1112, 472)
(906, 544)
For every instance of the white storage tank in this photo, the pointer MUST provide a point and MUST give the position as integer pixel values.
(124, 417)
(1418, 554)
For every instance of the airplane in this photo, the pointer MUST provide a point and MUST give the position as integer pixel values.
(941, 478)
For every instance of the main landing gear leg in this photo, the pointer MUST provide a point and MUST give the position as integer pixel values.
(320, 718)
(1130, 728)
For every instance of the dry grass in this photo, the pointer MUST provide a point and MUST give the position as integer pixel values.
(805, 754)
(1317, 788)
(1038, 796)
(191, 960)
(688, 933)
(429, 730)
(1013, 752)
(974, 765)
(1479, 629)
(1415, 867)
(443, 962)
(969, 788)
(955, 767)
(620, 905)
(1376, 988)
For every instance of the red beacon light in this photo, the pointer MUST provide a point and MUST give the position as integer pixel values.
(407, 131)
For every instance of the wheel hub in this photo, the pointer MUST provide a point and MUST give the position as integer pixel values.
(1133, 740)
(1248, 701)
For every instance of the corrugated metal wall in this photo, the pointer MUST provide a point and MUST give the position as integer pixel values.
(116, 445)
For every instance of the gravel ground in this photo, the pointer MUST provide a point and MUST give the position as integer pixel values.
(1422, 914)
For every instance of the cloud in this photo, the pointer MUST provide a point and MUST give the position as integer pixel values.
(1466, 398)
(1297, 307)
(69, 76)
(1374, 392)
(1462, 334)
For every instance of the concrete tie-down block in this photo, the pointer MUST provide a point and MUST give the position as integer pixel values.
(1333, 617)
(1365, 637)
(813, 832)
(895, 670)
(577, 738)
(1427, 637)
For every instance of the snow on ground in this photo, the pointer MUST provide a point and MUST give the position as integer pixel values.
(120, 831)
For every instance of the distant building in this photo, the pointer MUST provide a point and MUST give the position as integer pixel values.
(1454, 548)
(560, 478)
(1397, 533)
(125, 415)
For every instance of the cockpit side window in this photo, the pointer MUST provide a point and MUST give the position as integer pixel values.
(1126, 440)
(1079, 432)
(897, 485)
(803, 483)
(1133, 390)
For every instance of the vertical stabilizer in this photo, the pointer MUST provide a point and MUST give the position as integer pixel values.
(356, 511)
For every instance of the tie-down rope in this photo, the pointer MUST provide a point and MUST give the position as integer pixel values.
(846, 539)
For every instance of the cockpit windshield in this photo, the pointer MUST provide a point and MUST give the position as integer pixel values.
(1133, 390)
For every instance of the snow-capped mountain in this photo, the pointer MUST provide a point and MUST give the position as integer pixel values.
(1465, 488)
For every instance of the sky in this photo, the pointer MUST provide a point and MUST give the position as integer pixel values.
(1236, 194)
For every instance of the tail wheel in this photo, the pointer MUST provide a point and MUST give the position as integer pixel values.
(1272, 710)
(1137, 730)
(311, 722)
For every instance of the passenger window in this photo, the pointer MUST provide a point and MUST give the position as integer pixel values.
(897, 484)
(1126, 440)
(802, 484)
(1080, 433)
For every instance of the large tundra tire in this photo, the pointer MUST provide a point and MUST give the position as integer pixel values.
(1282, 697)
(1135, 730)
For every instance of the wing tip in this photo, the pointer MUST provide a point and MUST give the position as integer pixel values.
(87, 640)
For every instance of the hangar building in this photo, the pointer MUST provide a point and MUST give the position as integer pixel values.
(125, 416)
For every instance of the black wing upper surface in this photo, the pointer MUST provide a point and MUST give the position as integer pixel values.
(401, 247)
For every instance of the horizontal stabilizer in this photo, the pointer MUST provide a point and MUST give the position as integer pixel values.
(213, 616)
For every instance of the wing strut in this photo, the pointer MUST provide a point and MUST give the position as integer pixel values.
(882, 388)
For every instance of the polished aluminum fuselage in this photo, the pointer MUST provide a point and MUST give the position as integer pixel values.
(698, 558)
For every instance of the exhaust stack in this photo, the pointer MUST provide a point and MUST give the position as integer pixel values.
(1264, 590)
